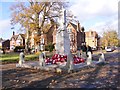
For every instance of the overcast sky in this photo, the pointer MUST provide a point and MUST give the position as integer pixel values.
(94, 15)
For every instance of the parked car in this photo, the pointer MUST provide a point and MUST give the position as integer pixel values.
(109, 49)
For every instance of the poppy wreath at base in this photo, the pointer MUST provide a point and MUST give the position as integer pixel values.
(63, 58)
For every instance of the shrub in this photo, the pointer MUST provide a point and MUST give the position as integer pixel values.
(19, 48)
(49, 47)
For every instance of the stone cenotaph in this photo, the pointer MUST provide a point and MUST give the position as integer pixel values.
(63, 41)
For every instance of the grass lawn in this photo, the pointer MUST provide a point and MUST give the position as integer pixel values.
(14, 57)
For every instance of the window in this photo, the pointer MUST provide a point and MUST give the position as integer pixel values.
(69, 30)
(71, 37)
(19, 42)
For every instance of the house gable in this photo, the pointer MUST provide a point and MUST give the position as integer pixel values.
(12, 39)
(72, 25)
(71, 28)
(17, 40)
(19, 37)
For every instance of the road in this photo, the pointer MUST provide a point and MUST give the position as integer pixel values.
(102, 76)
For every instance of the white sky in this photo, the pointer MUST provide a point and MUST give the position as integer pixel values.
(96, 14)
(92, 14)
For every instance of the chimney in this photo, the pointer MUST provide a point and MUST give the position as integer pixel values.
(78, 26)
(13, 33)
(82, 29)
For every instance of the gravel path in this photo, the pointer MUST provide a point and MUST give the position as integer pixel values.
(102, 76)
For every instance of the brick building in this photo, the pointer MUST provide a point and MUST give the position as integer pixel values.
(4, 44)
(92, 39)
(76, 35)
(17, 40)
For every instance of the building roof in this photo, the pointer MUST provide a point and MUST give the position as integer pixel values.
(1, 39)
(51, 29)
(16, 36)
(22, 35)
(74, 26)
(88, 33)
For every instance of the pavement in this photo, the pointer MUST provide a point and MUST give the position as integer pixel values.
(101, 76)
